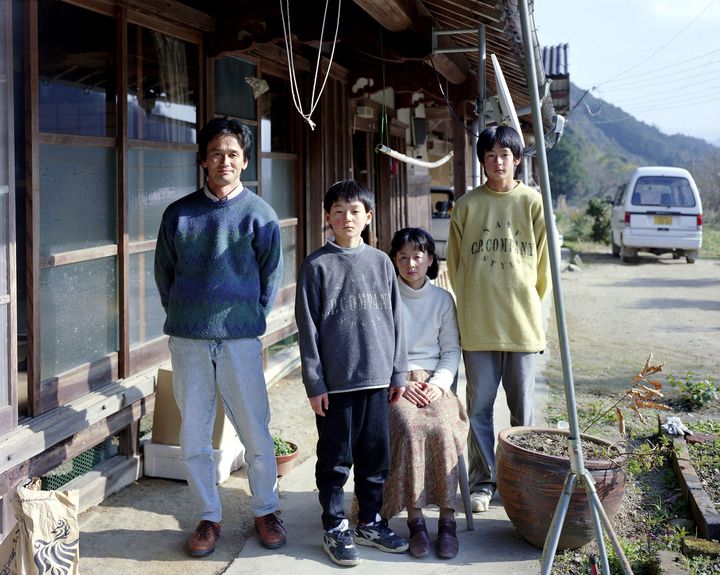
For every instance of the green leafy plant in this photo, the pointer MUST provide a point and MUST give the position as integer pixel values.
(599, 211)
(282, 447)
(694, 391)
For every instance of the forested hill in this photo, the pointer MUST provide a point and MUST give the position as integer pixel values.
(602, 143)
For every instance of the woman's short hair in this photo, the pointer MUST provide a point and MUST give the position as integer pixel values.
(421, 240)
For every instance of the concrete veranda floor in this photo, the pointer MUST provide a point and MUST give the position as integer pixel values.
(143, 528)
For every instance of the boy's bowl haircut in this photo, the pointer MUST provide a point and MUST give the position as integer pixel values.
(349, 191)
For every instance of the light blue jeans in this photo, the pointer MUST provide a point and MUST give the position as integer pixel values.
(485, 371)
(233, 367)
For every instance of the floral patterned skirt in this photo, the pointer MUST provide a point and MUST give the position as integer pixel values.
(425, 444)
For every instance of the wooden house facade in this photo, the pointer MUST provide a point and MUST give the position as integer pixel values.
(100, 103)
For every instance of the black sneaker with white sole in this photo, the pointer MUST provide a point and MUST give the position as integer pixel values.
(379, 535)
(340, 547)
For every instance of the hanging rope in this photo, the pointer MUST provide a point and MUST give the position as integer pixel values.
(408, 160)
(294, 90)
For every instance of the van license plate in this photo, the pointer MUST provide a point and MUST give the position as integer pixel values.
(663, 220)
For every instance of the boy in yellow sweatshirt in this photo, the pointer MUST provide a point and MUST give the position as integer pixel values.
(498, 266)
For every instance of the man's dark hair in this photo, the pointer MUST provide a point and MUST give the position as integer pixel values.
(506, 136)
(225, 127)
(349, 191)
(421, 240)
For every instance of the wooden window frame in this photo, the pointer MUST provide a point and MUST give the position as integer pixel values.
(8, 412)
(186, 25)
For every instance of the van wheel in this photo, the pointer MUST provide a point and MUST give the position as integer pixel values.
(690, 257)
(627, 254)
(615, 248)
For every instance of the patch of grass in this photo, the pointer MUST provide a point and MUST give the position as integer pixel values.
(703, 565)
(711, 242)
(694, 391)
(705, 458)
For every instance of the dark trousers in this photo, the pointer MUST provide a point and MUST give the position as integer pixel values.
(354, 431)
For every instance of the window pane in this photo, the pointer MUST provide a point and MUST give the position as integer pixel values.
(4, 368)
(78, 204)
(77, 70)
(156, 178)
(278, 186)
(147, 315)
(78, 321)
(4, 255)
(251, 174)
(233, 95)
(162, 87)
(275, 110)
(289, 251)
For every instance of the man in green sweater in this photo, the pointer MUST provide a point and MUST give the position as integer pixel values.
(498, 266)
(218, 268)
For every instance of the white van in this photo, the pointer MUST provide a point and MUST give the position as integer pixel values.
(658, 211)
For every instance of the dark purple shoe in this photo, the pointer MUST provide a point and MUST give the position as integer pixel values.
(419, 540)
(447, 543)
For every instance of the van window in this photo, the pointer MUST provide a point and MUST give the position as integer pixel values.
(671, 192)
(620, 195)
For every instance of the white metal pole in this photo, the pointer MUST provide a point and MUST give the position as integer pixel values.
(577, 463)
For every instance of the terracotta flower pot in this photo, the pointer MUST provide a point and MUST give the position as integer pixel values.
(530, 484)
(285, 463)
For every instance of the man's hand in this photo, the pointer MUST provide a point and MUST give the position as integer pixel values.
(395, 394)
(320, 404)
(422, 394)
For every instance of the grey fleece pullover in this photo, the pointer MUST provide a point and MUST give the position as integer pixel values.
(348, 314)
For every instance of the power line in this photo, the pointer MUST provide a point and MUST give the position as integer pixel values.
(666, 78)
(661, 48)
(684, 95)
(669, 67)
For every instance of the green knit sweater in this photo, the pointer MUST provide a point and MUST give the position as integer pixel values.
(218, 266)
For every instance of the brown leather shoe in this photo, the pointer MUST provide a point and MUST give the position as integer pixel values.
(447, 543)
(419, 540)
(202, 542)
(272, 533)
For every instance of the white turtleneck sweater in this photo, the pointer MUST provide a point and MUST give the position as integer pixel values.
(431, 331)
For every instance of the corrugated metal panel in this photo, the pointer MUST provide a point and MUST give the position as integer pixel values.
(555, 60)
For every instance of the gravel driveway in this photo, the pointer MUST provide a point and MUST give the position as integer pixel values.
(617, 314)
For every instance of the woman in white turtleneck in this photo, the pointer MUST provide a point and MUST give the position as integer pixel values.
(428, 428)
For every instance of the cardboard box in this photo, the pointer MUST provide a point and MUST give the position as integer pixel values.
(166, 419)
(166, 460)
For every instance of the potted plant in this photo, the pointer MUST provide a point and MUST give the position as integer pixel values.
(532, 468)
(286, 453)
(530, 483)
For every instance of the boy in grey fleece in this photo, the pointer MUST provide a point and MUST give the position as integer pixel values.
(347, 309)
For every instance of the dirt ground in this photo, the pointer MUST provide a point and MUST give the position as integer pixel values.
(616, 314)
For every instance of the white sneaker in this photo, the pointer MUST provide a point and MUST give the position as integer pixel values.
(480, 501)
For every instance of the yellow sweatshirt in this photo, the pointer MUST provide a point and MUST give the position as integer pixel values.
(499, 268)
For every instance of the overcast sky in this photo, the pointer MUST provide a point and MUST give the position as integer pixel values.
(658, 60)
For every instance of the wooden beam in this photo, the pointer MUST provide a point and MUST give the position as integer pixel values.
(105, 479)
(41, 433)
(395, 15)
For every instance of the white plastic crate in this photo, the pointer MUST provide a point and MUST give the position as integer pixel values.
(165, 461)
